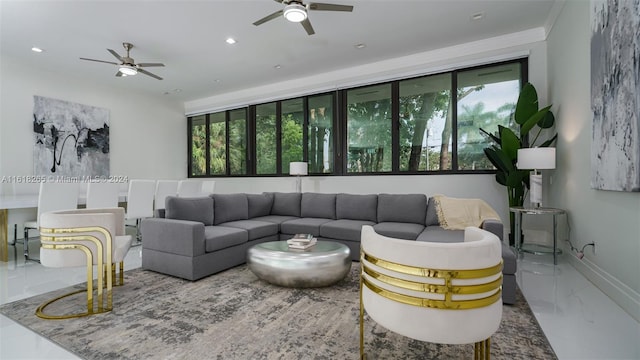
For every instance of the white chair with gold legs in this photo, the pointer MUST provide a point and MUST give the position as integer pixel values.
(52, 196)
(85, 237)
(446, 293)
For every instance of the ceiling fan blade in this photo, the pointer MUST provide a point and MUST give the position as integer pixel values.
(268, 17)
(306, 24)
(119, 74)
(330, 7)
(149, 64)
(115, 54)
(102, 61)
(149, 74)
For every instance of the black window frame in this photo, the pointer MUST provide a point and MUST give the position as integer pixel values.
(339, 130)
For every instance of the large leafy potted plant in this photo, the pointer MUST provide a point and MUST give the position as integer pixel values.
(503, 151)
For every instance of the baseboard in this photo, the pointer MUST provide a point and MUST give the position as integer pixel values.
(621, 294)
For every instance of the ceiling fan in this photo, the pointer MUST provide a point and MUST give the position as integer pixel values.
(296, 11)
(127, 66)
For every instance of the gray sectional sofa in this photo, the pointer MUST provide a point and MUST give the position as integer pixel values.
(197, 237)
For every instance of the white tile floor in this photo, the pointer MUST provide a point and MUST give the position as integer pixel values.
(579, 320)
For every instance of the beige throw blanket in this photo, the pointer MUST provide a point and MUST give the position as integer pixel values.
(456, 214)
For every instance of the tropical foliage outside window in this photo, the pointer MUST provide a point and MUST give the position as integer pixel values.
(418, 125)
(238, 142)
(369, 129)
(292, 125)
(266, 139)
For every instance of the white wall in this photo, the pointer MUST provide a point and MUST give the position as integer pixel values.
(610, 219)
(527, 43)
(147, 134)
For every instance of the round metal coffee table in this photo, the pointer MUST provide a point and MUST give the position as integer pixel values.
(323, 264)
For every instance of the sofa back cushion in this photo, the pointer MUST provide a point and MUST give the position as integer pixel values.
(406, 208)
(432, 213)
(357, 207)
(230, 207)
(315, 205)
(198, 209)
(259, 204)
(287, 204)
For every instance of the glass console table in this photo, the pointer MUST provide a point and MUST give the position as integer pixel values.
(531, 248)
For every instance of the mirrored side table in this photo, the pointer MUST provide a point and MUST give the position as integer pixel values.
(537, 249)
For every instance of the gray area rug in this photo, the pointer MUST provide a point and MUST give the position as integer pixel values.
(234, 315)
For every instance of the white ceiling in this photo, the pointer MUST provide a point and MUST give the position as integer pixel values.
(188, 36)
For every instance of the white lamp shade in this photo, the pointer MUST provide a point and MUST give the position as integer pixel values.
(298, 168)
(537, 158)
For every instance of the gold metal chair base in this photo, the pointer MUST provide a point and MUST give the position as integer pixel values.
(482, 350)
(40, 311)
(90, 309)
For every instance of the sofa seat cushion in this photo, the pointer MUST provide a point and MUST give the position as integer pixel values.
(303, 226)
(438, 234)
(399, 230)
(276, 219)
(256, 229)
(222, 237)
(343, 229)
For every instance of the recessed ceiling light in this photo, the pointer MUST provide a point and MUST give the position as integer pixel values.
(217, 80)
(477, 16)
(277, 66)
(360, 46)
(36, 49)
(231, 41)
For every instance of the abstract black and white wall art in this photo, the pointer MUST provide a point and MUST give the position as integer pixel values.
(71, 139)
(615, 94)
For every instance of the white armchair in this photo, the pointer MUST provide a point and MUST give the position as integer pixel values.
(85, 237)
(447, 293)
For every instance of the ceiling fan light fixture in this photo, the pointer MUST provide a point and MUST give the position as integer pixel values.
(128, 70)
(295, 12)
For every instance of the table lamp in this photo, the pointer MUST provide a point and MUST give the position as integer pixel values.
(298, 169)
(535, 159)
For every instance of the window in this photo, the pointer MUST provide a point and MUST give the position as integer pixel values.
(409, 126)
(217, 144)
(292, 121)
(198, 149)
(369, 129)
(266, 139)
(425, 123)
(487, 98)
(320, 135)
(238, 142)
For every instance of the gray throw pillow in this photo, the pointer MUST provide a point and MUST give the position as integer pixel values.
(286, 204)
(192, 209)
(406, 208)
(432, 213)
(230, 207)
(316, 205)
(259, 204)
(357, 207)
